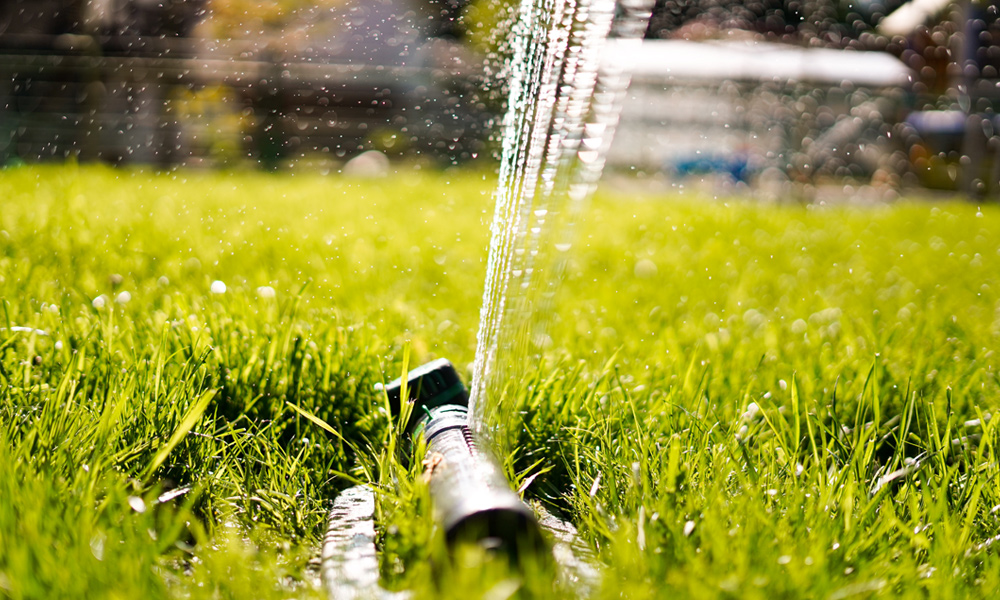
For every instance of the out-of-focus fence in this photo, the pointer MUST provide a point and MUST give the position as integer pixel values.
(221, 105)
(133, 81)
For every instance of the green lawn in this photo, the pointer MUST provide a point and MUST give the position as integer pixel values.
(739, 400)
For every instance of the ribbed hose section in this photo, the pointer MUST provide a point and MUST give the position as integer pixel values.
(472, 498)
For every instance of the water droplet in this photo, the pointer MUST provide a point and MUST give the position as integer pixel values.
(97, 545)
(137, 504)
(645, 268)
(688, 528)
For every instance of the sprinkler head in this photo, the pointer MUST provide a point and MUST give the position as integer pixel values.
(429, 386)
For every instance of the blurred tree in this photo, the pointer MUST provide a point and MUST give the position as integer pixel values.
(486, 22)
(234, 19)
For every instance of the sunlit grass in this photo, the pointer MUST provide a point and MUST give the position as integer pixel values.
(737, 399)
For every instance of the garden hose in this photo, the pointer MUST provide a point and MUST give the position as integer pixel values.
(472, 499)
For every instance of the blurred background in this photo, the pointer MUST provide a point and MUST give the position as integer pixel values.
(879, 95)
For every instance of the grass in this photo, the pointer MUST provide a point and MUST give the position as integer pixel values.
(738, 400)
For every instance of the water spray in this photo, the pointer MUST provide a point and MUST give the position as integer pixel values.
(562, 107)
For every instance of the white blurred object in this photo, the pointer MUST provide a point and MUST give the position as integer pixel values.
(743, 60)
(729, 111)
(368, 164)
(911, 15)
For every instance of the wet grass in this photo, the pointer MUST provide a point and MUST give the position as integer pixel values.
(735, 400)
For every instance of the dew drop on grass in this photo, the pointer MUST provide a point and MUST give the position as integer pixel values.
(123, 298)
(645, 268)
(99, 301)
(218, 287)
(264, 291)
(97, 545)
(137, 504)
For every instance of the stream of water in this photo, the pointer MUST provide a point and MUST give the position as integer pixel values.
(562, 108)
